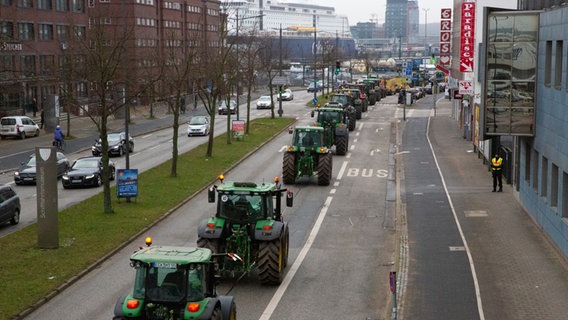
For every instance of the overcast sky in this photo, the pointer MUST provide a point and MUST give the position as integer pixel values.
(361, 10)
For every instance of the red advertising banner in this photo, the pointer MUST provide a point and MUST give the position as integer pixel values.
(467, 38)
(445, 36)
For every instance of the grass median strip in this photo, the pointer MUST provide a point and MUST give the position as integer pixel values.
(86, 234)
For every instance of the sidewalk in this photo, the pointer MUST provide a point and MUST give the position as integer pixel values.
(521, 274)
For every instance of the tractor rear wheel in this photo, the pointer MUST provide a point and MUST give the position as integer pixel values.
(217, 315)
(289, 168)
(271, 261)
(341, 145)
(324, 169)
(358, 112)
(286, 241)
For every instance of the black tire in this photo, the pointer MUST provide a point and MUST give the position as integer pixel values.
(120, 151)
(352, 123)
(228, 307)
(271, 261)
(341, 144)
(36, 133)
(112, 174)
(99, 180)
(358, 112)
(324, 169)
(289, 168)
(16, 218)
(217, 314)
(286, 239)
(22, 135)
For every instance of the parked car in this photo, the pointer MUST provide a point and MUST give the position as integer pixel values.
(116, 144)
(264, 102)
(9, 205)
(222, 107)
(287, 95)
(26, 173)
(18, 126)
(315, 87)
(198, 125)
(86, 172)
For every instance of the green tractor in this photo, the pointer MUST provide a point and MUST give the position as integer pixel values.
(344, 100)
(174, 283)
(335, 129)
(307, 156)
(249, 223)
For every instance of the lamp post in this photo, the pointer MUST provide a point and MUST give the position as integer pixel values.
(425, 27)
(280, 111)
(315, 60)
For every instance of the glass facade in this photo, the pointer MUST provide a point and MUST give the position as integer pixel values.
(511, 65)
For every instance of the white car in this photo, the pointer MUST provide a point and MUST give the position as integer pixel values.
(198, 126)
(18, 126)
(264, 102)
(287, 95)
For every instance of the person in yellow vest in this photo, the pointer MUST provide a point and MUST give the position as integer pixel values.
(497, 172)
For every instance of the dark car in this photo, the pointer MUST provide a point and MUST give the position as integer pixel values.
(116, 144)
(9, 205)
(86, 172)
(26, 173)
(222, 107)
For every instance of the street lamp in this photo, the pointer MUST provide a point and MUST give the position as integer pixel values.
(425, 27)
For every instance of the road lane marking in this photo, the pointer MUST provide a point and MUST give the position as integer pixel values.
(342, 170)
(267, 313)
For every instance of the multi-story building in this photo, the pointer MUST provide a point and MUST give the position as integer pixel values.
(38, 38)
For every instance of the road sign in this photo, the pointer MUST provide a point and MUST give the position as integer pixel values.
(315, 101)
(466, 87)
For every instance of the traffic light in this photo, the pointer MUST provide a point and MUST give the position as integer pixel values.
(337, 67)
(280, 90)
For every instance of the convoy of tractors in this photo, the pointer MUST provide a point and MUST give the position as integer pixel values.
(247, 232)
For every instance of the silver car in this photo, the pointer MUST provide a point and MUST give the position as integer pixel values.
(287, 95)
(198, 126)
(264, 102)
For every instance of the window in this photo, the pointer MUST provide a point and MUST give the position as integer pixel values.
(45, 32)
(27, 65)
(44, 4)
(558, 64)
(6, 30)
(548, 63)
(78, 6)
(25, 3)
(25, 31)
(5, 2)
(544, 177)
(535, 171)
(62, 32)
(79, 32)
(46, 65)
(62, 5)
(564, 195)
(554, 186)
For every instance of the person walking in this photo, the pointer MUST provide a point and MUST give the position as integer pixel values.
(497, 172)
(58, 138)
(42, 118)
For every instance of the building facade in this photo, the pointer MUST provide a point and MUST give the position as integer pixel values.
(38, 38)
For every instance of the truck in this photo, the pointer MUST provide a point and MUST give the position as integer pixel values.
(307, 156)
(174, 283)
(248, 222)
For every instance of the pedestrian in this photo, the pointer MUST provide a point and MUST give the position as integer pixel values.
(58, 137)
(34, 107)
(41, 118)
(497, 172)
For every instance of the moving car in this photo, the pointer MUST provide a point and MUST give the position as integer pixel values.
(315, 87)
(26, 173)
(222, 109)
(18, 126)
(86, 172)
(198, 125)
(9, 205)
(287, 95)
(264, 102)
(116, 144)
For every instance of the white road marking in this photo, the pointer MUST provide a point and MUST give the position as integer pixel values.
(267, 313)
(283, 149)
(342, 170)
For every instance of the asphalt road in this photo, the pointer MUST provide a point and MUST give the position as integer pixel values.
(341, 239)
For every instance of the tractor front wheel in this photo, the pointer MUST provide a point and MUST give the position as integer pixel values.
(271, 261)
(324, 169)
(289, 168)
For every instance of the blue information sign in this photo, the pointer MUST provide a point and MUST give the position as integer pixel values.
(127, 183)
